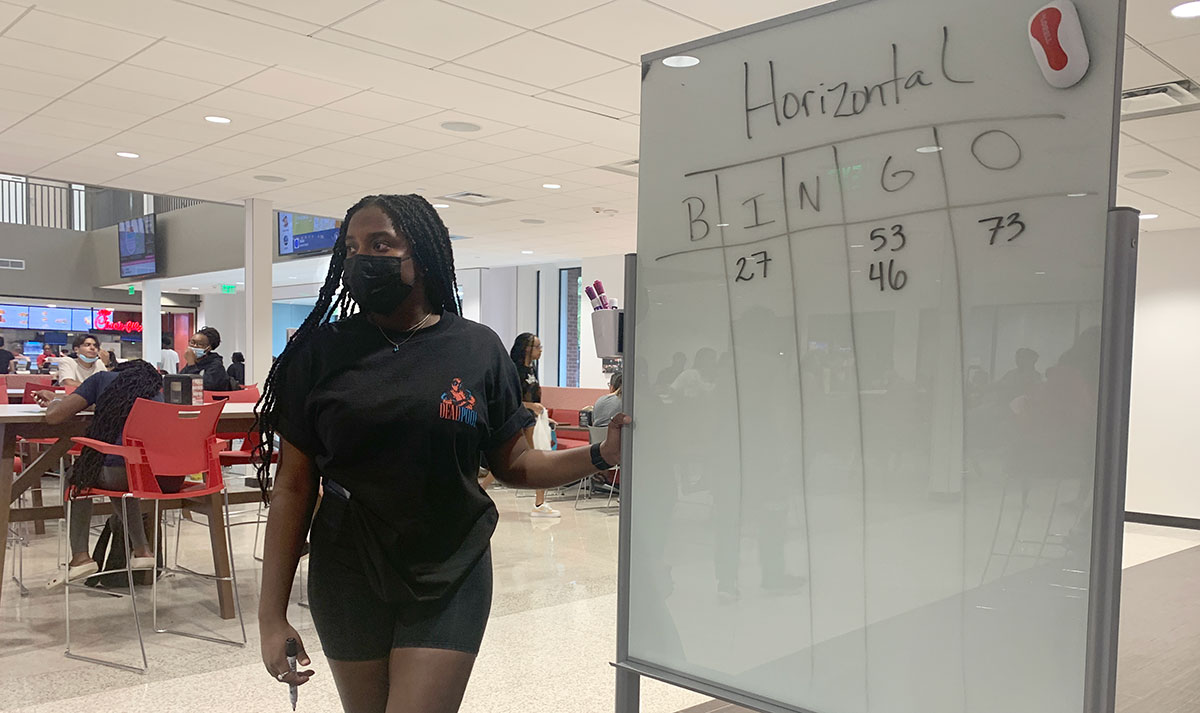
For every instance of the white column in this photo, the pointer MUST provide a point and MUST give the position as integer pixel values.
(151, 320)
(260, 247)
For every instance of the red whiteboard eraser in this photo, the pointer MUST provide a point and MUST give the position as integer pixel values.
(1056, 37)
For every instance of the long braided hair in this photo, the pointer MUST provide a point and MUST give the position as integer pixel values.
(519, 353)
(136, 379)
(411, 215)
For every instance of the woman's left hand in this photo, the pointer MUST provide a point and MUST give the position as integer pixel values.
(610, 450)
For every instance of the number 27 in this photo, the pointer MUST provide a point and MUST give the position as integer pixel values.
(763, 259)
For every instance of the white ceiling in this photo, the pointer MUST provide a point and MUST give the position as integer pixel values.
(345, 98)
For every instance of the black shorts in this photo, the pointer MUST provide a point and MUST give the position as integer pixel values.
(354, 624)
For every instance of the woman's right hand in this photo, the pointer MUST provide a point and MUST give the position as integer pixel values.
(274, 653)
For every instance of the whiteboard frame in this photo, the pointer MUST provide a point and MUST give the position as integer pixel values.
(1108, 510)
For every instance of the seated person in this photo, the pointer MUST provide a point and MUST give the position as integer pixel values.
(237, 370)
(202, 358)
(86, 362)
(608, 405)
(46, 355)
(112, 393)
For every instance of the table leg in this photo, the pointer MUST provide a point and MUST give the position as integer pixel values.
(39, 526)
(220, 551)
(8, 451)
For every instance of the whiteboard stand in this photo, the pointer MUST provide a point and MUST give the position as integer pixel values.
(1112, 447)
(628, 682)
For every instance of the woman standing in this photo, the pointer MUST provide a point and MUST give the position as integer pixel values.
(389, 407)
(86, 362)
(525, 353)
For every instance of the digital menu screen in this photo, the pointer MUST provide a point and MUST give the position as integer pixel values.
(138, 246)
(300, 233)
(50, 318)
(14, 316)
(81, 320)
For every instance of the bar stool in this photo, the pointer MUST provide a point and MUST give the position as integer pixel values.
(163, 444)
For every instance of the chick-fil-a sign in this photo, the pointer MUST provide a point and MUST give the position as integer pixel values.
(104, 323)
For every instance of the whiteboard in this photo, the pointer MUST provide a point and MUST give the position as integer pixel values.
(869, 281)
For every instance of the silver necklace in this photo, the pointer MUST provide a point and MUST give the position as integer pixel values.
(414, 330)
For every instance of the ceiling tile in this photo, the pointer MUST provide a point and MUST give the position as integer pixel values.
(487, 127)
(577, 103)
(122, 99)
(284, 84)
(1150, 21)
(439, 162)
(371, 148)
(98, 116)
(589, 155)
(295, 170)
(628, 29)
(1182, 53)
(727, 15)
(492, 80)
(9, 12)
(421, 26)
(263, 145)
(65, 127)
(159, 84)
(31, 82)
(1164, 128)
(295, 133)
(77, 35)
(416, 138)
(339, 121)
(188, 61)
(1184, 149)
(621, 89)
(385, 107)
(61, 63)
(54, 145)
(362, 44)
(529, 13)
(233, 156)
(541, 165)
(335, 159)
(239, 100)
(495, 173)
(320, 12)
(529, 141)
(539, 60)
(482, 152)
(22, 102)
(595, 177)
(1142, 69)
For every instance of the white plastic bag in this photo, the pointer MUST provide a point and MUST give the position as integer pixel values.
(541, 431)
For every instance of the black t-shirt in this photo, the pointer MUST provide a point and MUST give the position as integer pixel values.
(531, 389)
(401, 430)
(6, 358)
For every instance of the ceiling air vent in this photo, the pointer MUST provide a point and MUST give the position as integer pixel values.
(471, 198)
(1162, 97)
(7, 264)
(625, 168)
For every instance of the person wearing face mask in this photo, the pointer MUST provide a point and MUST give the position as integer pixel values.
(386, 410)
(201, 358)
(75, 371)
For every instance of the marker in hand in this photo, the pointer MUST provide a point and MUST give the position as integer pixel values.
(292, 649)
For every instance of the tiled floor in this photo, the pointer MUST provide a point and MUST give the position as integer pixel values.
(548, 648)
(1159, 653)
(548, 645)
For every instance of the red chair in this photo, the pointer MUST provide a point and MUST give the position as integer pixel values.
(248, 395)
(164, 444)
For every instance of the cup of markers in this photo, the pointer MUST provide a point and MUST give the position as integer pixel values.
(595, 293)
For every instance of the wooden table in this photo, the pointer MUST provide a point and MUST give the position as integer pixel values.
(30, 422)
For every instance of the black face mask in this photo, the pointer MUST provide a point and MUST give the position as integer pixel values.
(375, 283)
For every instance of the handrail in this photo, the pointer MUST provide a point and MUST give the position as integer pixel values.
(72, 206)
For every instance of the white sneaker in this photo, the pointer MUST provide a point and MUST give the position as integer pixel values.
(544, 510)
(142, 563)
(74, 573)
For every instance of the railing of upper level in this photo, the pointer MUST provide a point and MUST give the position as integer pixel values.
(72, 206)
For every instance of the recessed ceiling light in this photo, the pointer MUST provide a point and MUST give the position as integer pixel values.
(441, 205)
(293, 278)
(460, 126)
(1040, 272)
(193, 288)
(929, 149)
(1076, 195)
(1186, 10)
(858, 246)
(218, 119)
(533, 221)
(551, 186)
(526, 252)
(128, 154)
(51, 306)
(1147, 216)
(270, 179)
(681, 60)
(1152, 173)
(241, 283)
(722, 225)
